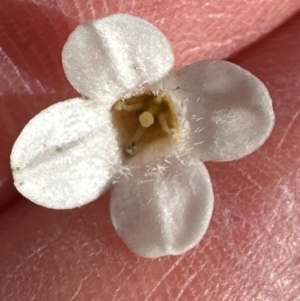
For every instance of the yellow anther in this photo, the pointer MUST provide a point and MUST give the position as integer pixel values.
(146, 119)
(121, 105)
(162, 119)
(161, 94)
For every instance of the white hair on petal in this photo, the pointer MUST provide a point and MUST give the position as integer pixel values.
(168, 210)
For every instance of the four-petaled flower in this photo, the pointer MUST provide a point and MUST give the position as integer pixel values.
(143, 127)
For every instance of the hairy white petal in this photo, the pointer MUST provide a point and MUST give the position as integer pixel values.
(229, 109)
(163, 208)
(67, 155)
(116, 57)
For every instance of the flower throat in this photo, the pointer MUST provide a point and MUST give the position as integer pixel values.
(143, 119)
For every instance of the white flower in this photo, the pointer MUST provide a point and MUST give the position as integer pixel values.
(162, 198)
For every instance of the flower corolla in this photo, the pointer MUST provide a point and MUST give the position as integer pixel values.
(144, 128)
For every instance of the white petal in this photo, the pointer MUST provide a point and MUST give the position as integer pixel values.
(115, 56)
(229, 109)
(67, 155)
(164, 208)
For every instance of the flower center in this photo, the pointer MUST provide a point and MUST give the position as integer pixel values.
(144, 118)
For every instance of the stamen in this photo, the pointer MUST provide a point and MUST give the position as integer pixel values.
(161, 94)
(162, 119)
(131, 147)
(146, 119)
(153, 114)
(121, 105)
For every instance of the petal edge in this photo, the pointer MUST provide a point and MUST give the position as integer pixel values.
(229, 109)
(66, 155)
(163, 208)
(116, 56)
